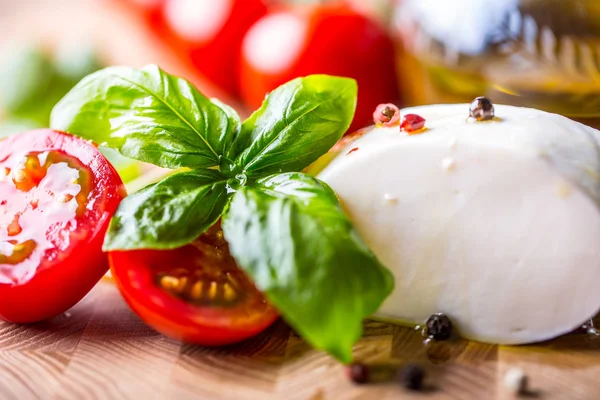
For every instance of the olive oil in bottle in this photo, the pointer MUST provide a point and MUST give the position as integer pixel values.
(536, 53)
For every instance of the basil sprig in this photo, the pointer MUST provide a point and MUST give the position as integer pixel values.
(286, 230)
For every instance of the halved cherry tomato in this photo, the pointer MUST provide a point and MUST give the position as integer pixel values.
(195, 293)
(57, 195)
(320, 39)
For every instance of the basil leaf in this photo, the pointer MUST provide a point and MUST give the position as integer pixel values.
(148, 115)
(168, 214)
(298, 122)
(291, 236)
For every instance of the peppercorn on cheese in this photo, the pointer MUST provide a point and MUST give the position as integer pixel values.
(495, 223)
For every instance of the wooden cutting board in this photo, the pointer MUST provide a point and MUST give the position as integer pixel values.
(100, 350)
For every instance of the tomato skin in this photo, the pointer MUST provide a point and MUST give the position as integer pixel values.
(62, 280)
(215, 55)
(331, 39)
(170, 315)
(51, 293)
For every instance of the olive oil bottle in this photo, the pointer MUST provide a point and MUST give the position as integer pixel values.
(536, 53)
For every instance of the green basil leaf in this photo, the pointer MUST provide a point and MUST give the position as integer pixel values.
(298, 122)
(170, 213)
(291, 236)
(148, 115)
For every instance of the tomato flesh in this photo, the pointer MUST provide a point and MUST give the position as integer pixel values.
(195, 293)
(57, 194)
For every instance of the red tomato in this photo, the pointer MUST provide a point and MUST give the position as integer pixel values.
(208, 33)
(57, 195)
(326, 39)
(195, 293)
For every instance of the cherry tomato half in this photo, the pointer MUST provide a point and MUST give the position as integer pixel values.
(57, 195)
(320, 39)
(195, 293)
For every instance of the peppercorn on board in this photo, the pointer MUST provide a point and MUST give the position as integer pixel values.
(101, 350)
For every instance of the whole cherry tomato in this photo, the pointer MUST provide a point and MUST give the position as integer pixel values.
(207, 33)
(320, 39)
(57, 195)
(195, 293)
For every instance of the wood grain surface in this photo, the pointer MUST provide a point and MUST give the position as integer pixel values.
(100, 350)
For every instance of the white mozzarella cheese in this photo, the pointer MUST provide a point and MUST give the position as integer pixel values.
(495, 223)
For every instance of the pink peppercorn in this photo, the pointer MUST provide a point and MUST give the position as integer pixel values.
(386, 115)
(412, 122)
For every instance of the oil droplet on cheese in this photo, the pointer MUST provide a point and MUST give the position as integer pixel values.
(38, 212)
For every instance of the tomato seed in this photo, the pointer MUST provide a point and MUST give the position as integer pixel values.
(64, 198)
(20, 176)
(228, 293)
(169, 282)
(196, 292)
(14, 228)
(212, 290)
(182, 284)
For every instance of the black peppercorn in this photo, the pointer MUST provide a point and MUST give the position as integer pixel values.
(357, 373)
(411, 376)
(439, 327)
(481, 109)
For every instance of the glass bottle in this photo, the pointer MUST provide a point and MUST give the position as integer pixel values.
(536, 53)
